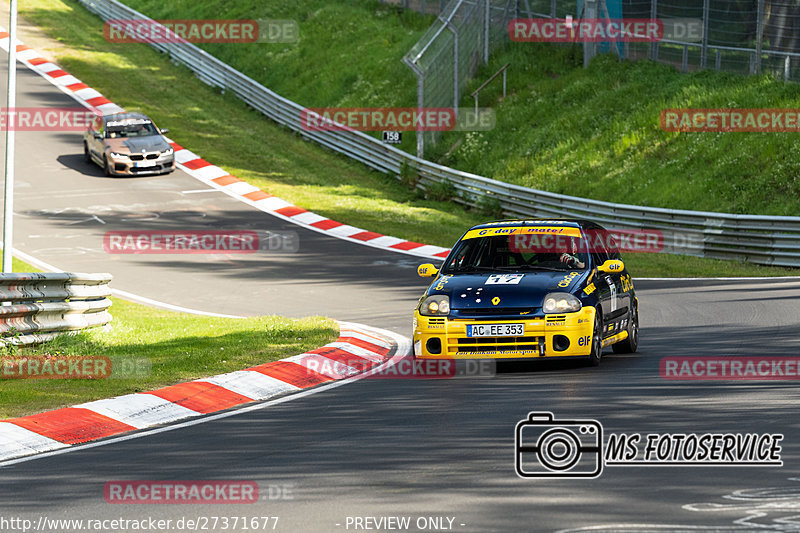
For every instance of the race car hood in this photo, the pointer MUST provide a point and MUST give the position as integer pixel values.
(480, 291)
(137, 145)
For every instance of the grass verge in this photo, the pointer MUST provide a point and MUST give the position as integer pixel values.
(173, 347)
(225, 131)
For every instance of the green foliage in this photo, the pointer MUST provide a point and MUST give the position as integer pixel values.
(489, 207)
(441, 191)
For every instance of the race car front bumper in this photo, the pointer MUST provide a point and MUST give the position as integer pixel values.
(551, 336)
(142, 164)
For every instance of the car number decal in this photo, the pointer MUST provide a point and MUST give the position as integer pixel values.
(504, 279)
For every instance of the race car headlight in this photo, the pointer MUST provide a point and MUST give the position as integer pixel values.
(168, 151)
(560, 302)
(115, 155)
(436, 305)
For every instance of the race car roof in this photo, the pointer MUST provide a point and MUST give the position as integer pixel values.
(124, 117)
(572, 223)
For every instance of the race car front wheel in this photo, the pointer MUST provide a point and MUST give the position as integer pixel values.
(630, 344)
(597, 339)
(86, 157)
(106, 167)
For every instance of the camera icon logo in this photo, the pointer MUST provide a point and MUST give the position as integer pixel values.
(549, 448)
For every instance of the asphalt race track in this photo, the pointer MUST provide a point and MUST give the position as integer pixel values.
(414, 448)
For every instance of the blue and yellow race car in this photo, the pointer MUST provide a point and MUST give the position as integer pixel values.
(528, 289)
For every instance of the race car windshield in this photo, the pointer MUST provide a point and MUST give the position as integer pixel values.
(517, 253)
(131, 130)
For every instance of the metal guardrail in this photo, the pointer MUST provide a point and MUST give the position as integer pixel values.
(768, 240)
(39, 306)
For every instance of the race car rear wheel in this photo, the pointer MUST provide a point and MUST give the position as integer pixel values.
(630, 344)
(597, 339)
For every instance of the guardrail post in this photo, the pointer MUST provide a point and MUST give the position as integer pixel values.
(455, 63)
(420, 105)
(704, 49)
(590, 11)
(759, 35)
(685, 58)
(654, 44)
(552, 9)
(486, 17)
(787, 65)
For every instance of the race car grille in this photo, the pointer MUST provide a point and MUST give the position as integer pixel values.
(142, 157)
(482, 344)
(155, 168)
(493, 311)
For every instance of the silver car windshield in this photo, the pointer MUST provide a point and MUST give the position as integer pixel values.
(131, 130)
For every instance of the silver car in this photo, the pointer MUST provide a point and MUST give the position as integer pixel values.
(128, 144)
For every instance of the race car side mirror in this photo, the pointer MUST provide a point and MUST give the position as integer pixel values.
(164, 130)
(611, 266)
(427, 270)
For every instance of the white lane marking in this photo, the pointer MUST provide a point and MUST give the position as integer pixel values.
(199, 191)
(93, 217)
(125, 295)
(760, 505)
(403, 350)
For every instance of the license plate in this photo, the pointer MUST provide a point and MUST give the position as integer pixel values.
(496, 330)
(141, 164)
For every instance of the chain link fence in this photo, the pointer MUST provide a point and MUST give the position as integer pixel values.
(452, 50)
(740, 36)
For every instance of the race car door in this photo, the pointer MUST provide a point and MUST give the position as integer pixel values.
(609, 289)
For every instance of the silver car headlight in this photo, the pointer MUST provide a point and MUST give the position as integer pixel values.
(560, 302)
(116, 155)
(436, 305)
(168, 151)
